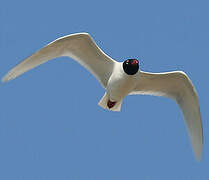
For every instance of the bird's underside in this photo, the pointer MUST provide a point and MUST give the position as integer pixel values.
(82, 48)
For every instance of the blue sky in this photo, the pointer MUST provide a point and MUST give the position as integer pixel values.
(51, 126)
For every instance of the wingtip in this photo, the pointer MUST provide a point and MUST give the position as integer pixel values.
(7, 77)
(198, 158)
(4, 79)
(198, 153)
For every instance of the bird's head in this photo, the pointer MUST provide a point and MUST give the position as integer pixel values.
(131, 66)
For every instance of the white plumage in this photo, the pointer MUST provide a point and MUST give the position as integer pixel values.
(118, 84)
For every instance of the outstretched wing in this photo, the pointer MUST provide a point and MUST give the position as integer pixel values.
(80, 47)
(179, 87)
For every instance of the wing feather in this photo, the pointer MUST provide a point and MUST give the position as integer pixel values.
(178, 86)
(80, 47)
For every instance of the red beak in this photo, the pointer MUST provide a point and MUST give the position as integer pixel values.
(134, 61)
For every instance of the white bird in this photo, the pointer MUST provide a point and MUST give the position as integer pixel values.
(121, 79)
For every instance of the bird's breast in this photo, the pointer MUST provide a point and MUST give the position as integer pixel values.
(120, 84)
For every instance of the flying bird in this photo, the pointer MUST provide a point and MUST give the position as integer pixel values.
(121, 79)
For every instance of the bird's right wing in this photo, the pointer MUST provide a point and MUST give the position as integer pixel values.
(80, 47)
(178, 86)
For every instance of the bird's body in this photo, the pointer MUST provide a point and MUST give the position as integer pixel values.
(122, 78)
(120, 84)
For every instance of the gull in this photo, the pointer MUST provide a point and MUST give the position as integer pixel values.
(121, 79)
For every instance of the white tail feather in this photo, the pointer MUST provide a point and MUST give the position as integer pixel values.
(103, 104)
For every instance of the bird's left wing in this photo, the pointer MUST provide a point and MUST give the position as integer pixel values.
(80, 47)
(178, 86)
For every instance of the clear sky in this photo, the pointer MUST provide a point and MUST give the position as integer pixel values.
(50, 124)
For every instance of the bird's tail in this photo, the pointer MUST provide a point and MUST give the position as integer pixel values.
(103, 104)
